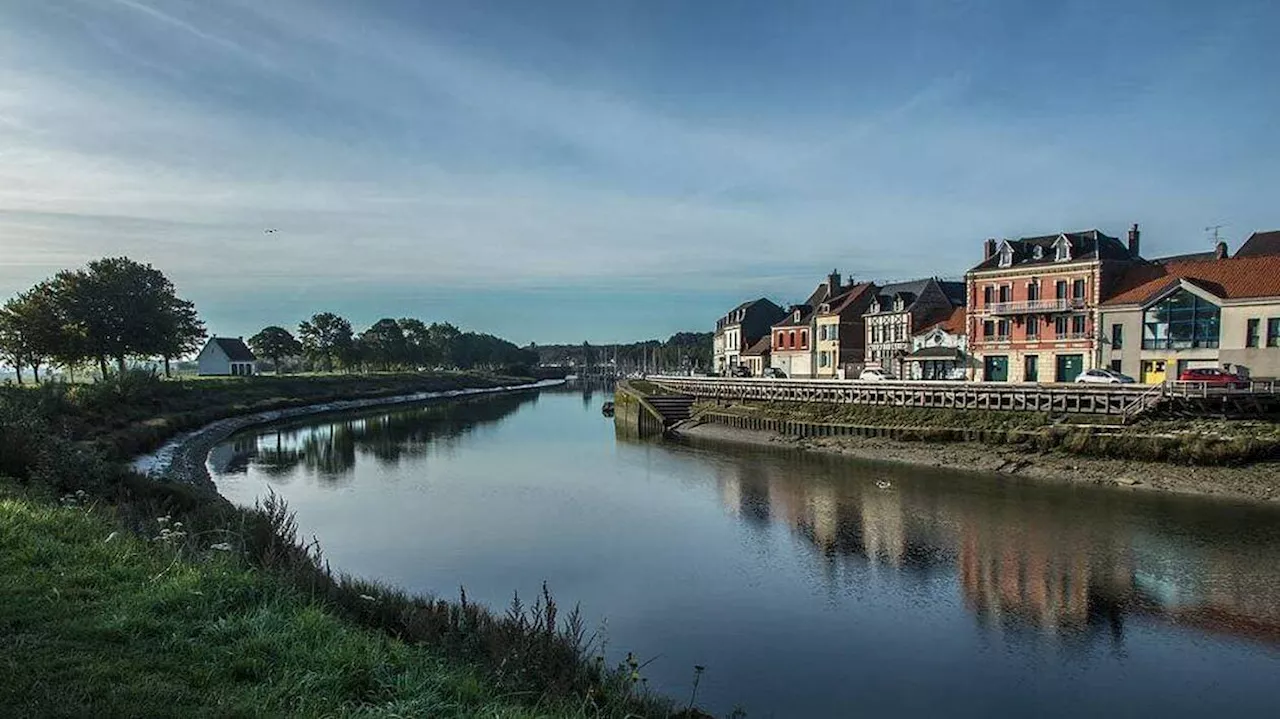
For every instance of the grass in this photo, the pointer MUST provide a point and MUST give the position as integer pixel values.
(100, 622)
(140, 626)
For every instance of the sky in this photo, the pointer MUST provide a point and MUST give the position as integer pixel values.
(612, 171)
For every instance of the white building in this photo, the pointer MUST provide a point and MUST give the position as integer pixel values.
(226, 356)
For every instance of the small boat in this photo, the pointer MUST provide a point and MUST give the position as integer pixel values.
(883, 484)
(607, 409)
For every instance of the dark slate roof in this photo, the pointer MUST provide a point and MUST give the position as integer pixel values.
(760, 348)
(956, 292)
(727, 319)
(1086, 245)
(935, 353)
(235, 349)
(1189, 257)
(851, 294)
(806, 314)
(908, 290)
(1260, 244)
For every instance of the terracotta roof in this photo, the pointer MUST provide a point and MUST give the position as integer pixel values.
(760, 348)
(1260, 244)
(235, 349)
(851, 294)
(1086, 245)
(1235, 278)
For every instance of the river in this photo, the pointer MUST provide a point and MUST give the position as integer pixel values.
(803, 587)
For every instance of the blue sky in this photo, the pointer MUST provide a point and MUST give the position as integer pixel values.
(611, 171)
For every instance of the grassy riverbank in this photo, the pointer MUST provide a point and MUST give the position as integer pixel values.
(229, 612)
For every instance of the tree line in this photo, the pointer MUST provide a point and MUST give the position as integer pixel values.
(327, 342)
(115, 311)
(112, 310)
(680, 351)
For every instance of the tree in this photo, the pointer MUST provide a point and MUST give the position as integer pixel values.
(443, 341)
(123, 309)
(417, 341)
(275, 342)
(180, 332)
(14, 349)
(326, 336)
(384, 343)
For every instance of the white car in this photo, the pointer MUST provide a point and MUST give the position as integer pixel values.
(872, 374)
(1103, 376)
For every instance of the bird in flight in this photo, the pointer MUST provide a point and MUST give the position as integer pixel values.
(270, 230)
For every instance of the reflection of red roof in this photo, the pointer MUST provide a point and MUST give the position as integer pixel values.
(1236, 278)
(953, 323)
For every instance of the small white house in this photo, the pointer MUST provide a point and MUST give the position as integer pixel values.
(226, 356)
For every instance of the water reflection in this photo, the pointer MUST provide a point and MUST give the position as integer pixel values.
(1055, 560)
(328, 449)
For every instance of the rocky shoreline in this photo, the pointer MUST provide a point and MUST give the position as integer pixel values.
(184, 458)
(1258, 482)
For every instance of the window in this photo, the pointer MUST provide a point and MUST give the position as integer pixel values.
(1033, 290)
(804, 339)
(986, 295)
(1033, 327)
(1115, 364)
(1060, 289)
(1037, 252)
(1005, 291)
(824, 360)
(1251, 334)
(1003, 328)
(988, 328)
(1031, 369)
(1006, 255)
(1062, 250)
(1181, 321)
(833, 332)
(1077, 325)
(791, 339)
(782, 338)
(1117, 336)
(1060, 326)
(1273, 332)
(1077, 289)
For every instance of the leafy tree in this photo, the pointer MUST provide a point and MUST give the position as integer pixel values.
(417, 340)
(326, 336)
(443, 341)
(15, 347)
(180, 333)
(275, 343)
(383, 344)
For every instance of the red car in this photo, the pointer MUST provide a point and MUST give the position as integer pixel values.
(1213, 377)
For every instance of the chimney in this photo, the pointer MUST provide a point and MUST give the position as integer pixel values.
(833, 282)
(988, 248)
(1221, 252)
(1134, 240)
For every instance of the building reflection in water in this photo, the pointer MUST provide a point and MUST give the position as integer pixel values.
(328, 451)
(1035, 558)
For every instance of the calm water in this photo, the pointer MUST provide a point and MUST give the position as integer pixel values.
(804, 589)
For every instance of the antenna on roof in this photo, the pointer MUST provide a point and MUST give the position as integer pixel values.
(1217, 236)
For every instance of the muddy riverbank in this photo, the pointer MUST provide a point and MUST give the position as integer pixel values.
(1259, 482)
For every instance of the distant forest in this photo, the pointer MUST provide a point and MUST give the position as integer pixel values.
(683, 350)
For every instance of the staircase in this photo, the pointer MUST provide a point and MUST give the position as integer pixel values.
(673, 407)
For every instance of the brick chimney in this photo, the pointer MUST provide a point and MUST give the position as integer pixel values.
(1134, 237)
(833, 282)
(1221, 251)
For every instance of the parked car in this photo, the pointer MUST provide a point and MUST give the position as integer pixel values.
(740, 371)
(872, 374)
(1103, 376)
(774, 373)
(1213, 377)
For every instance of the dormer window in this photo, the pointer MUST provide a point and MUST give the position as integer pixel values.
(875, 308)
(897, 304)
(795, 316)
(1006, 254)
(1062, 249)
(1038, 252)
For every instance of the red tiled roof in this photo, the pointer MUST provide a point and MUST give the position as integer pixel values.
(1235, 278)
(840, 302)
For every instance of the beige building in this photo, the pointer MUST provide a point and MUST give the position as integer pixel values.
(840, 332)
(1169, 316)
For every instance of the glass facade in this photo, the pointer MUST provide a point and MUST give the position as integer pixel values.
(1180, 321)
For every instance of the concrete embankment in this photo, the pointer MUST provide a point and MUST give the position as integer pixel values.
(1259, 481)
(183, 459)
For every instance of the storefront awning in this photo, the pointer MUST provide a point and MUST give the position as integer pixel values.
(935, 353)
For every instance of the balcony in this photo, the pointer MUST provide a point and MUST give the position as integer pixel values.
(1030, 307)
